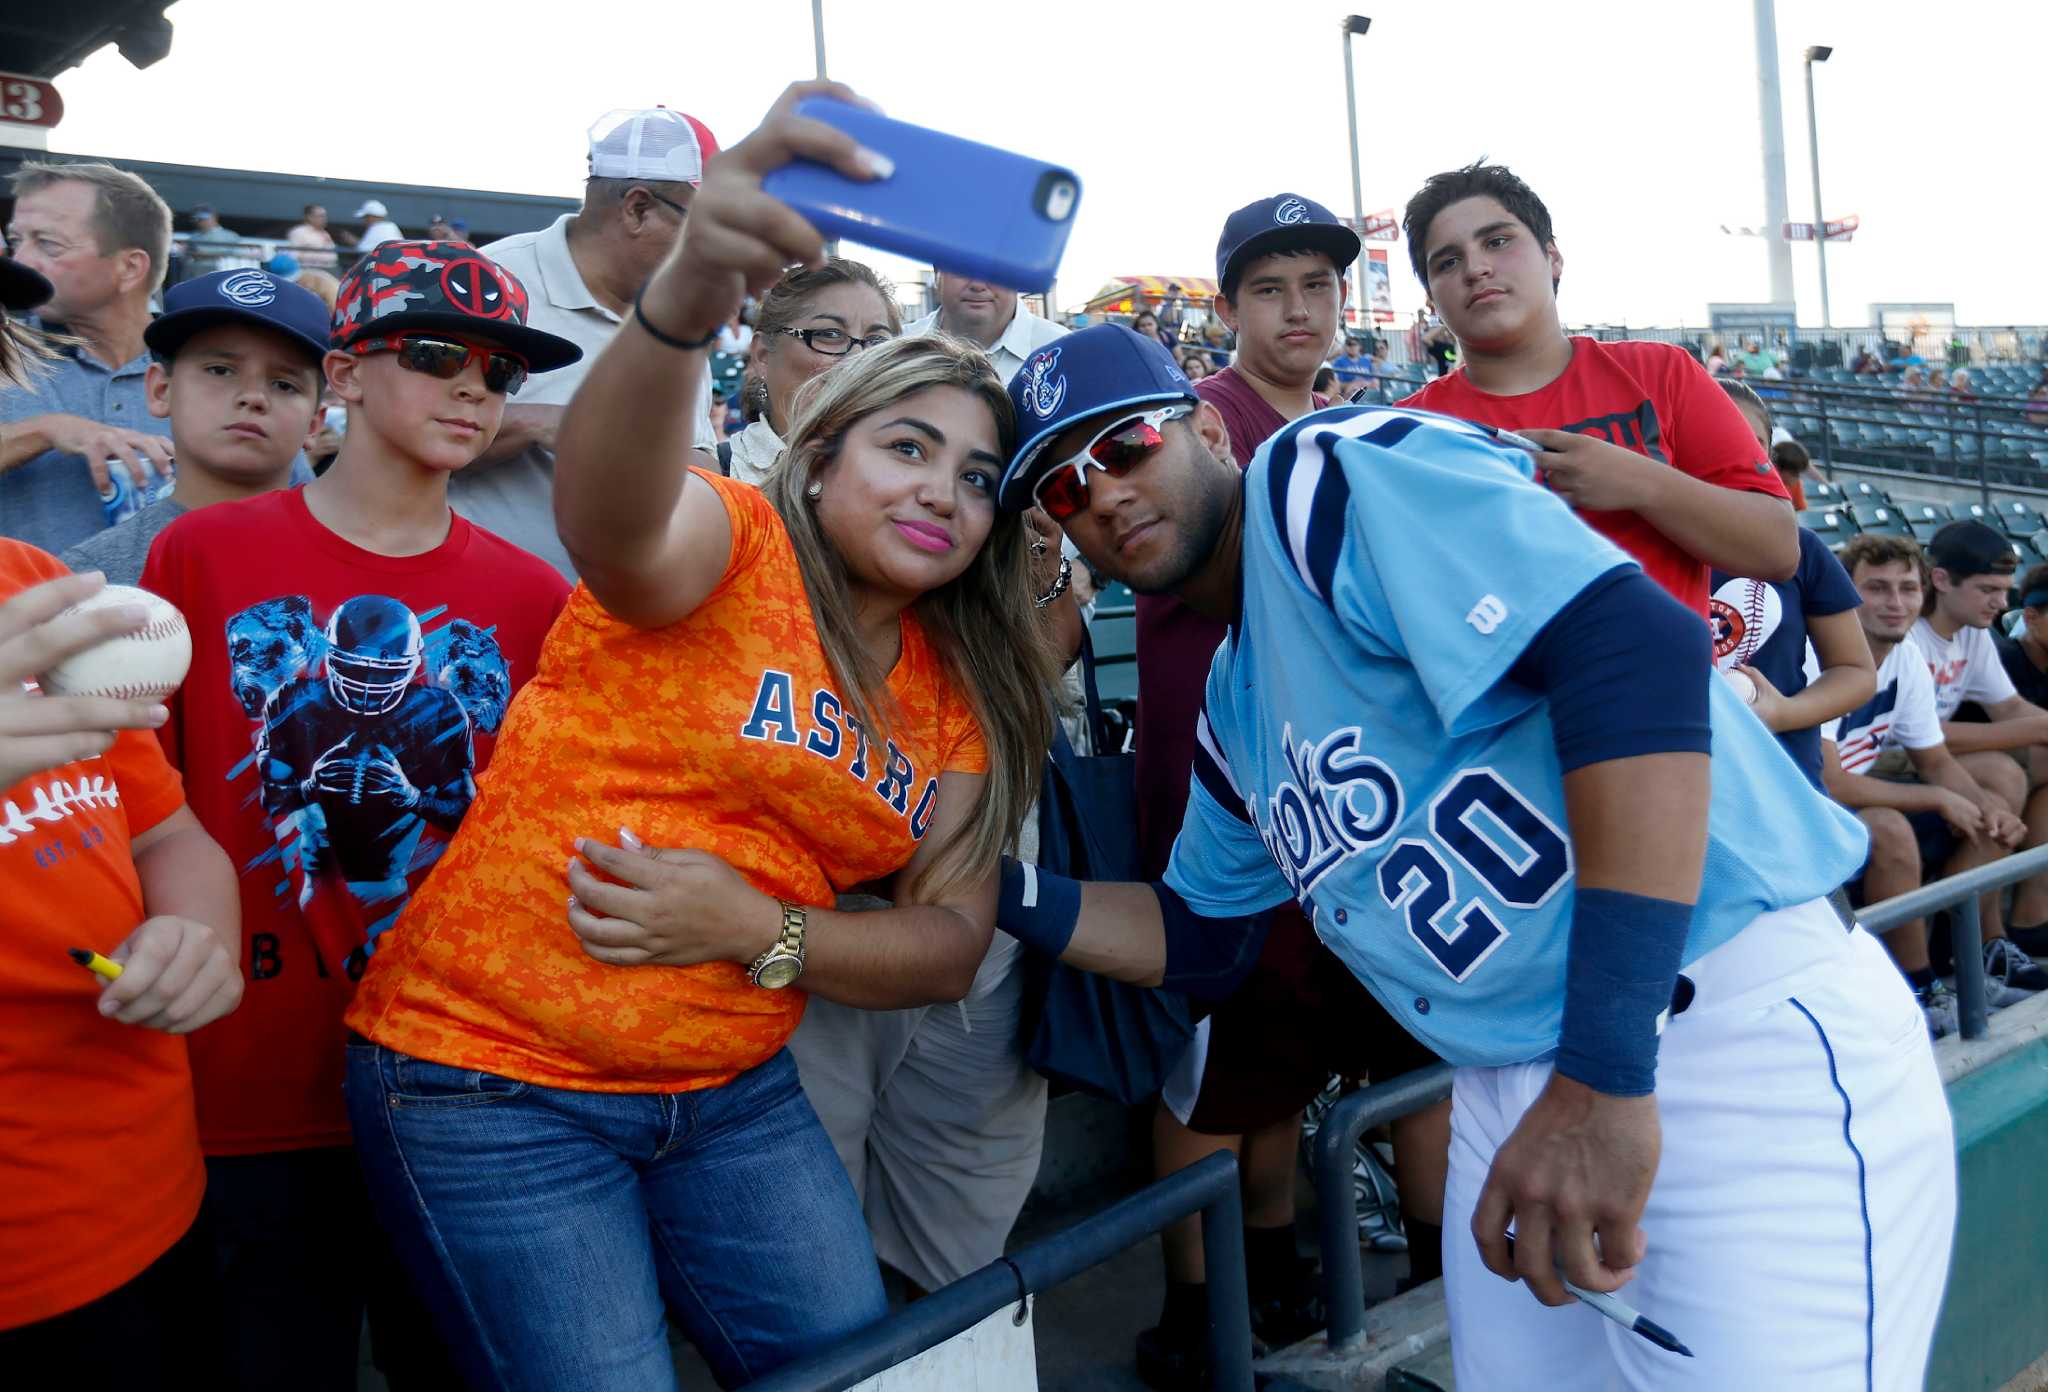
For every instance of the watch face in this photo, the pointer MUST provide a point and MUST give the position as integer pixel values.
(778, 973)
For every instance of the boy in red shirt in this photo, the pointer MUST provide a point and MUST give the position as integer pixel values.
(1636, 435)
(105, 1280)
(355, 645)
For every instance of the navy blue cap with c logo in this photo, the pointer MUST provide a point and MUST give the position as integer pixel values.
(246, 296)
(1284, 222)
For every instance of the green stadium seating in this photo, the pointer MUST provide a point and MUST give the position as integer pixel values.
(1832, 525)
(1880, 518)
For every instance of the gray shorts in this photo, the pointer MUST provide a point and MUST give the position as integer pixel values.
(935, 1116)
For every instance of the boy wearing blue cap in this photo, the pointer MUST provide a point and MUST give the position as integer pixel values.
(355, 646)
(237, 374)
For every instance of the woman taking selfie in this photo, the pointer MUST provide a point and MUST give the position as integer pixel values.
(572, 1096)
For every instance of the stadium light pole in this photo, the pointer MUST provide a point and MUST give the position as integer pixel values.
(1818, 53)
(818, 41)
(1356, 24)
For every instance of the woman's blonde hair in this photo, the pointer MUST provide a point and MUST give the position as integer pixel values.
(994, 645)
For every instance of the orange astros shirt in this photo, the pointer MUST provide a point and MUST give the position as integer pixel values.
(722, 732)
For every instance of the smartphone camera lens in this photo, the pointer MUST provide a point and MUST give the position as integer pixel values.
(1057, 195)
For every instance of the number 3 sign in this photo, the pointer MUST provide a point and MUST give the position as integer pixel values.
(29, 101)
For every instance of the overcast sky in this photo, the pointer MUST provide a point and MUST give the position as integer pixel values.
(1636, 120)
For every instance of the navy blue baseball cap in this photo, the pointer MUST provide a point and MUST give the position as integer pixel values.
(1090, 372)
(242, 297)
(1284, 222)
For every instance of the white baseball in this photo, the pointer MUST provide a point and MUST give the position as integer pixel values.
(1744, 687)
(146, 665)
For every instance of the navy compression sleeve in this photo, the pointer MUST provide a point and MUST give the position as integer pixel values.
(1625, 669)
(1621, 665)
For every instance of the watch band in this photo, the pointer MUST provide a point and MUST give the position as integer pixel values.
(787, 948)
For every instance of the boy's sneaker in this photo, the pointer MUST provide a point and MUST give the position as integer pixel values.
(1166, 1363)
(1939, 1005)
(2013, 969)
(2032, 941)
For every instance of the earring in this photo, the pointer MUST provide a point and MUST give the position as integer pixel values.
(814, 490)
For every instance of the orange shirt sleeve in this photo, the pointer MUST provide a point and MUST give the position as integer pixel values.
(151, 789)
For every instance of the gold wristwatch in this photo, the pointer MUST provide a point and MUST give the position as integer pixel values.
(783, 962)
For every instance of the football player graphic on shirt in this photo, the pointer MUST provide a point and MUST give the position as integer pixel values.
(364, 751)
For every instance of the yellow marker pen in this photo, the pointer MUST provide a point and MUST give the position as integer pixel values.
(95, 963)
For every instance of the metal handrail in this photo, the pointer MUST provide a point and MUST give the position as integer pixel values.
(1335, 1146)
(1209, 1186)
(1334, 1153)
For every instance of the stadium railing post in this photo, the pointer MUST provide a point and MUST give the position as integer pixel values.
(1334, 1155)
(1230, 1327)
(1966, 936)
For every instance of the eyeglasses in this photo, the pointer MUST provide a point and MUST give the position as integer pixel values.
(447, 359)
(835, 343)
(681, 212)
(1063, 491)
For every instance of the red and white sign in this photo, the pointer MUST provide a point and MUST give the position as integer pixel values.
(1839, 230)
(29, 101)
(1382, 226)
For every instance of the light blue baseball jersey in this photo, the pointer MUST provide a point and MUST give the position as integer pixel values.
(1362, 748)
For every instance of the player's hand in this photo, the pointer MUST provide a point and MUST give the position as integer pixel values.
(176, 977)
(1594, 476)
(39, 731)
(1964, 817)
(1577, 1167)
(384, 780)
(1770, 703)
(670, 908)
(737, 239)
(106, 447)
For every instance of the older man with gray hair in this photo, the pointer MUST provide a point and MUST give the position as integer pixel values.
(78, 445)
(582, 273)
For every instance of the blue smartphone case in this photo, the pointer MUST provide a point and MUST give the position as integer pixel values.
(965, 207)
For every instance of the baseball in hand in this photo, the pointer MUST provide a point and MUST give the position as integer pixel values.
(144, 665)
(1743, 686)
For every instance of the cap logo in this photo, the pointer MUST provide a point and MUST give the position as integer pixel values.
(474, 288)
(250, 289)
(1290, 211)
(1043, 392)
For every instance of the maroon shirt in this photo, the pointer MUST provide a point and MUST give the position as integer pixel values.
(1175, 645)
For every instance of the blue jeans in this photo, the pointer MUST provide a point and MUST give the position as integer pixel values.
(551, 1230)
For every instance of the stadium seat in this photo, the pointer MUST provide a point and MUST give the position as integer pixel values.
(1864, 491)
(1832, 525)
(1821, 493)
(1924, 519)
(2033, 548)
(1115, 637)
(1977, 512)
(1880, 518)
(2020, 519)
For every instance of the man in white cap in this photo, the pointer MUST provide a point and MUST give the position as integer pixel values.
(380, 228)
(582, 273)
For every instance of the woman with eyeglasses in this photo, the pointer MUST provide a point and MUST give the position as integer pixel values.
(572, 1096)
(813, 319)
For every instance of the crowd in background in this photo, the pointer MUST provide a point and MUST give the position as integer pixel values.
(372, 577)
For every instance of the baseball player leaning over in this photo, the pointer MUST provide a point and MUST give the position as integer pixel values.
(1471, 738)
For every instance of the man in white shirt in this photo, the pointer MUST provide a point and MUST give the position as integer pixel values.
(989, 317)
(2006, 752)
(1937, 825)
(379, 229)
(581, 274)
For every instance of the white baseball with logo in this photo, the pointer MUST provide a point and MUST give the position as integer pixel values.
(1743, 615)
(146, 665)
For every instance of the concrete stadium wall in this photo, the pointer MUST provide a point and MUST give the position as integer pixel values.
(1995, 1319)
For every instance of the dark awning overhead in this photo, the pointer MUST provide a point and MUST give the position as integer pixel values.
(42, 38)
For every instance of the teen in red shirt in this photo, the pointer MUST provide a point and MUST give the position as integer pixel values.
(355, 645)
(1637, 437)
